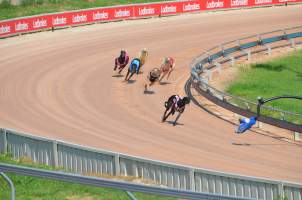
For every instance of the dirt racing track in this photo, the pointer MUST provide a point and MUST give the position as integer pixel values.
(60, 85)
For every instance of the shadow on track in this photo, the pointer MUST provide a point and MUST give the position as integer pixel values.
(149, 92)
(164, 83)
(171, 122)
(249, 144)
(131, 81)
(118, 75)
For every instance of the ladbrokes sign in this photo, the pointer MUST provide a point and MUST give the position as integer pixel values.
(214, 4)
(15, 26)
(239, 3)
(190, 7)
(260, 2)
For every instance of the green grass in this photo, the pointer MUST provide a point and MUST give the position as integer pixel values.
(30, 188)
(34, 7)
(277, 77)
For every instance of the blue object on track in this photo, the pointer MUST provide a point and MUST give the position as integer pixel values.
(245, 124)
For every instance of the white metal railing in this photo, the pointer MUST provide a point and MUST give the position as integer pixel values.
(84, 160)
(101, 182)
(204, 66)
(10, 183)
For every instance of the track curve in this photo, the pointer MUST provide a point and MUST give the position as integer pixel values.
(60, 85)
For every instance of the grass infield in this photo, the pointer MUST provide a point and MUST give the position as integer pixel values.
(277, 77)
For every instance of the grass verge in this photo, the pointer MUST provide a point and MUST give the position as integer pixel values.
(277, 77)
(34, 7)
(31, 188)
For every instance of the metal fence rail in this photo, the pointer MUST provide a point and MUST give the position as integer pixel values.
(11, 185)
(84, 160)
(205, 65)
(100, 182)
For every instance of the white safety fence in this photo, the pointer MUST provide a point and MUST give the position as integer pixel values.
(214, 61)
(101, 182)
(84, 160)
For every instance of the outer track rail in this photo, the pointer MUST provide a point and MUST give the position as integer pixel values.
(101, 182)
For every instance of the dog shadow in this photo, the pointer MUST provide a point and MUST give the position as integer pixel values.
(262, 144)
(241, 144)
(164, 83)
(172, 122)
(148, 92)
(131, 81)
(118, 75)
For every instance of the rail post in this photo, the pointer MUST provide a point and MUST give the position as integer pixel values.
(296, 136)
(218, 67)
(208, 74)
(259, 39)
(247, 106)
(55, 154)
(269, 50)
(293, 44)
(192, 180)
(238, 43)
(249, 57)
(282, 116)
(11, 185)
(222, 49)
(232, 59)
(4, 142)
(117, 164)
(281, 190)
(131, 196)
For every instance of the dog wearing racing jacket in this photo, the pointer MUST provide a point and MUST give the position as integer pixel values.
(175, 104)
(121, 62)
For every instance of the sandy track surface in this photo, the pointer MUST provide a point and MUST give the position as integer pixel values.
(60, 85)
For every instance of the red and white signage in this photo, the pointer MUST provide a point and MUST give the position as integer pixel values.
(191, 7)
(239, 3)
(214, 4)
(15, 26)
(263, 2)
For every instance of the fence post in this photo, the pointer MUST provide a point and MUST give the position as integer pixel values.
(293, 44)
(4, 142)
(208, 74)
(199, 67)
(282, 116)
(232, 61)
(247, 106)
(249, 56)
(117, 164)
(192, 179)
(269, 50)
(55, 154)
(222, 49)
(218, 65)
(11, 185)
(238, 43)
(281, 190)
(204, 80)
(259, 37)
(131, 196)
(296, 136)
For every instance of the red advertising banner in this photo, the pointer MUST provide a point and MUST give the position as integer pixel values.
(214, 4)
(192, 6)
(225, 4)
(27, 24)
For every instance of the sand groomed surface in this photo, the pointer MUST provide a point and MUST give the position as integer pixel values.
(60, 85)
